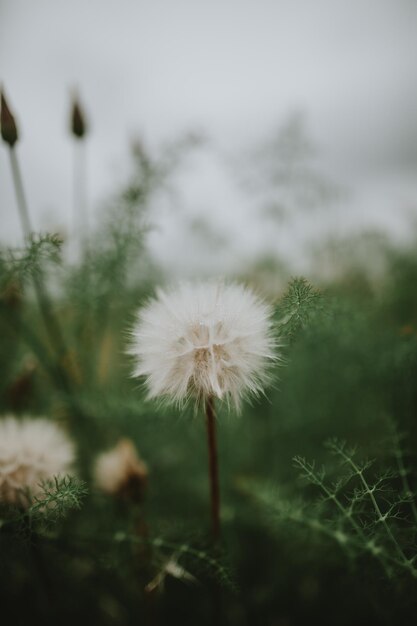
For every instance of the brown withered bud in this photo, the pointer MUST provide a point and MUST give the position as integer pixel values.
(121, 472)
(78, 123)
(7, 122)
(20, 390)
(12, 295)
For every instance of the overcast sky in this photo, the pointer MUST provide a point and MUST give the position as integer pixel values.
(234, 69)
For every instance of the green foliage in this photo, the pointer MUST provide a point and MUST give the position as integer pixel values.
(300, 302)
(198, 561)
(363, 511)
(57, 498)
(22, 264)
(345, 367)
(53, 503)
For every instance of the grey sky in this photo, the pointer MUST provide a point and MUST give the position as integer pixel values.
(234, 69)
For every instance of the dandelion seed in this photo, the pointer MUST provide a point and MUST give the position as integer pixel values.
(31, 451)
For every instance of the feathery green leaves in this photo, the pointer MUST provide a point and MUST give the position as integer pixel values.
(299, 304)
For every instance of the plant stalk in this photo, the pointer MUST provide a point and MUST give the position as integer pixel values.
(20, 194)
(80, 209)
(52, 326)
(213, 468)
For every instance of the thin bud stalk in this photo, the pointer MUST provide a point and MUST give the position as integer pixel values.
(20, 194)
(78, 128)
(52, 326)
(213, 468)
(80, 215)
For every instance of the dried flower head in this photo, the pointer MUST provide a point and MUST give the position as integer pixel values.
(121, 472)
(31, 451)
(212, 339)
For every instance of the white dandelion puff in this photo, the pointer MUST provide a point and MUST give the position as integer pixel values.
(32, 450)
(120, 471)
(201, 341)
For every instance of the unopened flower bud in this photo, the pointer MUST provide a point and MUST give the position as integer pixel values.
(11, 296)
(7, 122)
(78, 123)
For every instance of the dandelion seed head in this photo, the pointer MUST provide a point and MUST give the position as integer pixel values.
(32, 450)
(211, 339)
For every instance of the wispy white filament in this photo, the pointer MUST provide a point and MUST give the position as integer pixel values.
(211, 339)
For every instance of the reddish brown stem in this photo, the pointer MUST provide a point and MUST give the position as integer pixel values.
(213, 468)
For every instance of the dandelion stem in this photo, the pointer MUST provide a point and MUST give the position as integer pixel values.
(213, 468)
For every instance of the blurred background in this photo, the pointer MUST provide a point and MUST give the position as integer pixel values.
(262, 140)
(295, 122)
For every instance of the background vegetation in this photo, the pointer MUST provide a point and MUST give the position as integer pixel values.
(318, 478)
